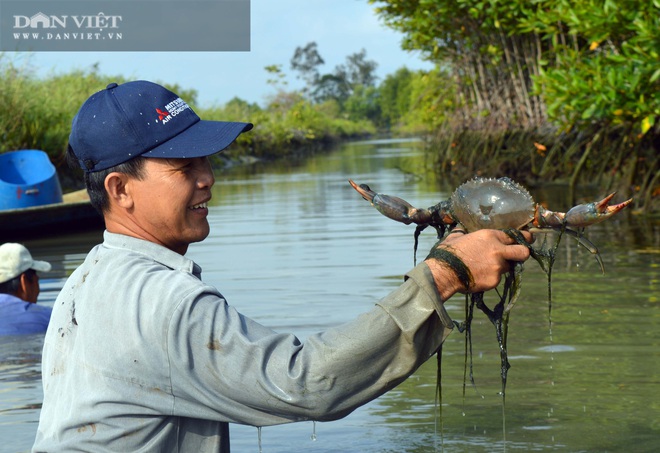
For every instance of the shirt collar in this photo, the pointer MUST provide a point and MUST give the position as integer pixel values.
(4, 297)
(157, 252)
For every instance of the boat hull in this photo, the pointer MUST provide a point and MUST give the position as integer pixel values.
(74, 214)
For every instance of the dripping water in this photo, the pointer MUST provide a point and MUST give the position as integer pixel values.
(438, 406)
(545, 256)
(467, 328)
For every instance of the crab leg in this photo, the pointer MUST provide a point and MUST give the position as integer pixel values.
(393, 207)
(580, 216)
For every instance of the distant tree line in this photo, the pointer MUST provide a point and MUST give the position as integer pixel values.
(405, 102)
(37, 114)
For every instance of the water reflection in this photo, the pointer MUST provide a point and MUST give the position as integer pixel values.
(293, 246)
(20, 390)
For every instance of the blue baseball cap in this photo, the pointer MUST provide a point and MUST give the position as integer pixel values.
(142, 118)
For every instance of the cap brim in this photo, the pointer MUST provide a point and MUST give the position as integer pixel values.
(201, 139)
(41, 266)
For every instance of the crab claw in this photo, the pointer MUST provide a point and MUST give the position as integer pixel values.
(393, 207)
(587, 214)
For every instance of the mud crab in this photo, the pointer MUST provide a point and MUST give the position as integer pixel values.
(492, 203)
(499, 204)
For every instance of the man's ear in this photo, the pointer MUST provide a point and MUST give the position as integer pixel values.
(24, 288)
(118, 188)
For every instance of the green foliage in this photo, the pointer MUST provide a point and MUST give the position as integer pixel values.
(363, 104)
(277, 76)
(473, 42)
(582, 71)
(432, 99)
(292, 123)
(395, 96)
(416, 102)
(38, 114)
(573, 63)
(603, 67)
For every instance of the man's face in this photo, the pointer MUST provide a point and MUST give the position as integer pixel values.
(170, 202)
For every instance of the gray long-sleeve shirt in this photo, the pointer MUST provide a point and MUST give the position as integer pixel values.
(141, 355)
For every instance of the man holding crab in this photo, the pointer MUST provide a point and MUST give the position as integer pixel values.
(142, 355)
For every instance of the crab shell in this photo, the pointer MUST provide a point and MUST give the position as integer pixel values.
(492, 203)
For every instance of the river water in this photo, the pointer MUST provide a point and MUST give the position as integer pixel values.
(295, 247)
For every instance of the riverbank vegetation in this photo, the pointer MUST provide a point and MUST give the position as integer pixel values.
(37, 114)
(542, 91)
(346, 103)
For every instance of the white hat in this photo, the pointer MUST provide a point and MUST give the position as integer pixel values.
(16, 259)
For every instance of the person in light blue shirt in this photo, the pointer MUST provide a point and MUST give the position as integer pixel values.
(19, 290)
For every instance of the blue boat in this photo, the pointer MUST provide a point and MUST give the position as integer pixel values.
(28, 178)
(31, 200)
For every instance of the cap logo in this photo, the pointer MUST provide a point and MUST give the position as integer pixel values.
(161, 114)
(171, 110)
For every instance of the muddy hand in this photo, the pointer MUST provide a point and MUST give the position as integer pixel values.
(486, 254)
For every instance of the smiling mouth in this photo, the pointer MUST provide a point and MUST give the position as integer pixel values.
(199, 206)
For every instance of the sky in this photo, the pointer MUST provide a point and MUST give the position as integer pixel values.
(339, 27)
